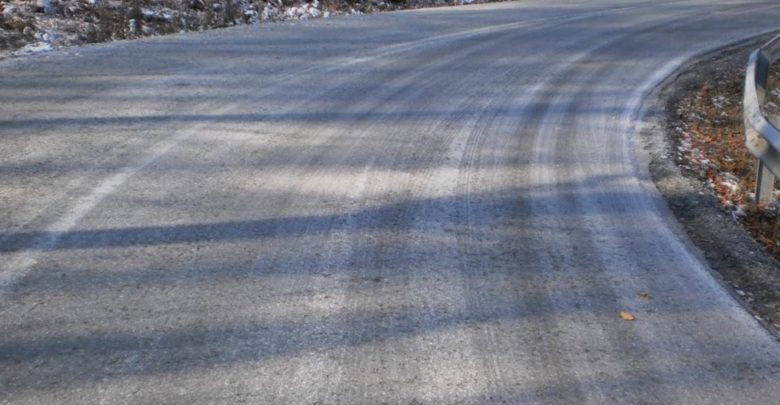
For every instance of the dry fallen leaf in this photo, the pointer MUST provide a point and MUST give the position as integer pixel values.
(626, 316)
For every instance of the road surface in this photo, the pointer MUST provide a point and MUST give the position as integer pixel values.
(436, 206)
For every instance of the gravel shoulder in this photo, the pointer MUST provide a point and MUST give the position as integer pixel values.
(742, 264)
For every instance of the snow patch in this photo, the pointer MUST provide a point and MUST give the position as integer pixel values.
(37, 47)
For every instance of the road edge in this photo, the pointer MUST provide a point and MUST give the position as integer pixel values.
(692, 211)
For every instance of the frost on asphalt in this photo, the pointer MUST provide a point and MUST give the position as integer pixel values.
(30, 26)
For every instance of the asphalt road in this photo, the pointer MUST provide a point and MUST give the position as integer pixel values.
(438, 206)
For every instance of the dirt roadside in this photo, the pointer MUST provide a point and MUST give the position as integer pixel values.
(692, 134)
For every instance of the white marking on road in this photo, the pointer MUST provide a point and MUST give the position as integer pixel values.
(21, 262)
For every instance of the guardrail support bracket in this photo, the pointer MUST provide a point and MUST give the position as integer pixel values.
(765, 184)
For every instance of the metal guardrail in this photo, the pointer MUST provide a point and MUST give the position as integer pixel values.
(762, 137)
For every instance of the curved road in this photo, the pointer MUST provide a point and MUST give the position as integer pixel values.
(436, 206)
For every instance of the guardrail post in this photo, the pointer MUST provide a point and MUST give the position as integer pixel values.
(765, 184)
(762, 136)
